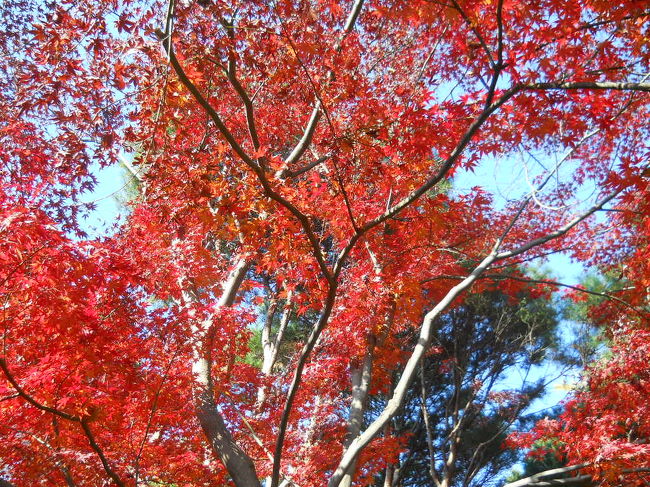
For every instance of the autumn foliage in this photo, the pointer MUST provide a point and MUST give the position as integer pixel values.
(295, 165)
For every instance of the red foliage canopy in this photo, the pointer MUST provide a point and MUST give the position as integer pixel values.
(290, 153)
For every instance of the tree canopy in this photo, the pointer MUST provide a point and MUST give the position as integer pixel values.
(295, 164)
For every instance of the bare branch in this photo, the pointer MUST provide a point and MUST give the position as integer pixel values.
(407, 375)
(560, 231)
(445, 167)
(307, 136)
(239, 465)
(590, 85)
(533, 480)
(427, 426)
(287, 173)
(231, 72)
(21, 392)
(308, 133)
(568, 286)
(473, 28)
(100, 454)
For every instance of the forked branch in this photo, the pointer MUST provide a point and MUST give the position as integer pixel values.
(421, 347)
(62, 414)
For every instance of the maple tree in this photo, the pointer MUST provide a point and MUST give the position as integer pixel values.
(288, 153)
(611, 402)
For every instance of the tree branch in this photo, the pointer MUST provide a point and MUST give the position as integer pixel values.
(429, 183)
(568, 286)
(100, 453)
(231, 72)
(325, 313)
(268, 189)
(288, 173)
(83, 422)
(239, 465)
(361, 377)
(560, 231)
(478, 35)
(409, 371)
(198, 96)
(427, 426)
(546, 475)
(589, 85)
(21, 392)
(297, 376)
(425, 337)
(308, 133)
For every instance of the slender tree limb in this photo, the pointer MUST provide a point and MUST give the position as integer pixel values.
(11, 396)
(288, 173)
(534, 480)
(82, 421)
(21, 392)
(308, 133)
(465, 140)
(325, 313)
(297, 376)
(560, 231)
(426, 333)
(198, 96)
(476, 32)
(427, 426)
(231, 73)
(95, 446)
(284, 321)
(248, 105)
(269, 191)
(307, 136)
(444, 169)
(589, 85)
(410, 368)
(502, 277)
(498, 65)
(568, 286)
(551, 477)
(266, 186)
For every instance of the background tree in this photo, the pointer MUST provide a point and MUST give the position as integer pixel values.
(468, 390)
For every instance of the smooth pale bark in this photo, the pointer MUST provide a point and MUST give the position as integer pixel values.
(271, 346)
(388, 479)
(237, 462)
(361, 377)
(545, 476)
(409, 372)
